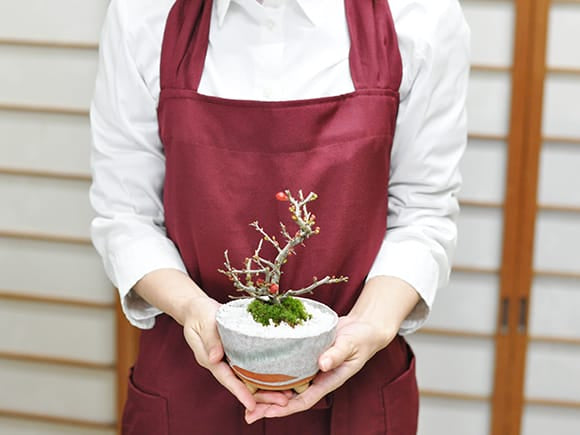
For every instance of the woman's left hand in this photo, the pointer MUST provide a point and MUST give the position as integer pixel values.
(356, 342)
(369, 327)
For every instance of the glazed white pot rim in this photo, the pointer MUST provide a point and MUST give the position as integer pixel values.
(224, 322)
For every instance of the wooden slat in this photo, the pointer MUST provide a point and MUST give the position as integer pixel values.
(454, 396)
(45, 418)
(554, 340)
(557, 274)
(563, 70)
(14, 356)
(486, 136)
(559, 208)
(553, 403)
(480, 204)
(49, 44)
(455, 333)
(24, 172)
(35, 108)
(13, 296)
(561, 140)
(44, 237)
(470, 269)
(491, 68)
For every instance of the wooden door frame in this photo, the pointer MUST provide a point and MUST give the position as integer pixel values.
(525, 138)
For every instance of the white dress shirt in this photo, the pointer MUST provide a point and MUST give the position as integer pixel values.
(280, 50)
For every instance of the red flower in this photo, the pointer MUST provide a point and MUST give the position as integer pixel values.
(260, 281)
(273, 289)
(281, 196)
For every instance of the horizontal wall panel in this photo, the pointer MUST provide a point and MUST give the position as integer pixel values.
(86, 334)
(559, 181)
(561, 114)
(45, 205)
(480, 237)
(553, 372)
(557, 241)
(469, 418)
(543, 420)
(488, 102)
(56, 20)
(68, 392)
(469, 303)
(490, 48)
(17, 426)
(483, 168)
(57, 270)
(555, 306)
(454, 364)
(563, 36)
(44, 141)
(58, 77)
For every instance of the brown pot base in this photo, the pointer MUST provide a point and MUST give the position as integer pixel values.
(299, 387)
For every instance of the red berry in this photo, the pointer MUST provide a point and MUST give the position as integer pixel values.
(273, 289)
(281, 196)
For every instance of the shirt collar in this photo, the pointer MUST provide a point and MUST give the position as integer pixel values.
(313, 9)
(222, 8)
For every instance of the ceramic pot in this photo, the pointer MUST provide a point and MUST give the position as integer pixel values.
(275, 357)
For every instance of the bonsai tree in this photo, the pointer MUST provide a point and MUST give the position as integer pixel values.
(259, 277)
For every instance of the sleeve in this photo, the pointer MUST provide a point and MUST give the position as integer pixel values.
(429, 141)
(128, 168)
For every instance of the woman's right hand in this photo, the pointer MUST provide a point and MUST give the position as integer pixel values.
(200, 331)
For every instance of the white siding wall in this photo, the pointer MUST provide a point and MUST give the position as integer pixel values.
(57, 359)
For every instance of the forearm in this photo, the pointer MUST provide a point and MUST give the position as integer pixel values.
(170, 290)
(385, 302)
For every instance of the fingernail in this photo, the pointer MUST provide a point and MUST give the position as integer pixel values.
(325, 363)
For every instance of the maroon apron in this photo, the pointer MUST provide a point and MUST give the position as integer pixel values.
(225, 161)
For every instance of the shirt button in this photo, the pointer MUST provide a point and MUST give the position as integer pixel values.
(270, 25)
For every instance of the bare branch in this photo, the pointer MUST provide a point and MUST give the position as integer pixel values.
(263, 280)
(267, 238)
(315, 284)
(284, 232)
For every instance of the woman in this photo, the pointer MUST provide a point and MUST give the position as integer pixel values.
(202, 111)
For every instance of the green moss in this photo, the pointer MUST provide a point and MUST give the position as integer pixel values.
(289, 310)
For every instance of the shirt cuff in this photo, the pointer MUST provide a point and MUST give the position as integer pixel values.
(131, 263)
(412, 262)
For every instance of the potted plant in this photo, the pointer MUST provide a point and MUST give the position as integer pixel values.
(273, 338)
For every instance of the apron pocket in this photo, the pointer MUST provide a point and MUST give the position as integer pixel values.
(144, 413)
(401, 402)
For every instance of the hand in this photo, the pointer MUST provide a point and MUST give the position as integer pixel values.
(356, 342)
(200, 332)
(371, 325)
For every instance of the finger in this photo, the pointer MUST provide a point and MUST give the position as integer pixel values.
(322, 384)
(257, 413)
(271, 397)
(342, 350)
(224, 375)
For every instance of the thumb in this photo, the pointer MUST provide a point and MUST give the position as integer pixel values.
(212, 344)
(336, 355)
